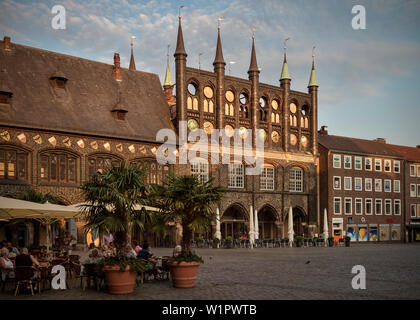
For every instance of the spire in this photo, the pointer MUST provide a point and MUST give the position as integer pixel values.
(168, 77)
(312, 79)
(285, 71)
(219, 53)
(180, 50)
(132, 62)
(253, 64)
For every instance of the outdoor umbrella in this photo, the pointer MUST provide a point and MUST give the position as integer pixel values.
(251, 226)
(257, 234)
(325, 226)
(218, 234)
(290, 231)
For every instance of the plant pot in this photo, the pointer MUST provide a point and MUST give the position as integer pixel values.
(298, 243)
(347, 243)
(119, 282)
(183, 274)
(330, 242)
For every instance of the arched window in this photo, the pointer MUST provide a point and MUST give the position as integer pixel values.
(13, 164)
(155, 172)
(200, 169)
(267, 178)
(208, 103)
(236, 175)
(296, 180)
(243, 101)
(58, 166)
(100, 162)
(192, 100)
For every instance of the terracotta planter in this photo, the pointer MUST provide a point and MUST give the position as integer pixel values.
(119, 282)
(184, 274)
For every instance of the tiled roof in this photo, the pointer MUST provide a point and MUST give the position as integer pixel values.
(410, 153)
(86, 103)
(347, 144)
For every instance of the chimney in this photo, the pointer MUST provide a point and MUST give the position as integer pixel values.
(117, 69)
(380, 140)
(418, 146)
(324, 130)
(6, 43)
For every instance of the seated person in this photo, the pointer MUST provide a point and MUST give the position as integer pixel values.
(144, 253)
(93, 257)
(25, 259)
(136, 246)
(12, 249)
(6, 265)
(177, 251)
(129, 252)
(106, 251)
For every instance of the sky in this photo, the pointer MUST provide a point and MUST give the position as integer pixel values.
(368, 79)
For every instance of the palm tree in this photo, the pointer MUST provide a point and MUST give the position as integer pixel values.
(184, 199)
(112, 197)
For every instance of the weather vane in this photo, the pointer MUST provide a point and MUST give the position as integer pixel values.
(132, 39)
(167, 54)
(180, 7)
(220, 19)
(285, 44)
(199, 62)
(253, 32)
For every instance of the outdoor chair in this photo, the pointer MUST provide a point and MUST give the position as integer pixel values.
(7, 280)
(277, 243)
(257, 243)
(237, 243)
(90, 274)
(25, 277)
(285, 242)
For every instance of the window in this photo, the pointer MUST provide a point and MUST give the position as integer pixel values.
(267, 179)
(208, 103)
(396, 166)
(358, 184)
(5, 97)
(378, 185)
(378, 206)
(236, 175)
(378, 165)
(418, 190)
(337, 183)
(358, 163)
(337, 161)
(155, 172)
(368, 184)
(337, 205)
(347, 183)
(412, 190)
(387, 165)
(296, 180)
(387, 185)
(368, 206)
(397, 186)
(58, 167)
(368, 164)
(347, 205)
(13, 164)
(347, 162)
(200, 169)
(418, 171)
(397, 207)
(358, 206)
(412, 170)
(418, 211)
(388, 210)
(99, 163)
(413, 211)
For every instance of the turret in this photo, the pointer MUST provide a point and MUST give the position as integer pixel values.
(253, 76)
(180, 70)
(219, 68)
(313, 91)
(285, 85)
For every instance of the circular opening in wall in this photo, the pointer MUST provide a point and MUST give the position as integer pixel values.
(263, 102)
(243, 98)
(305, 110)
(192, 88)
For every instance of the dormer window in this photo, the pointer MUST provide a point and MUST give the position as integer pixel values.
(119, 114)
(5, 97)
(58, 80)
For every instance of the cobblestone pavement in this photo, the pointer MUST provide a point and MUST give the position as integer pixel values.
(392, 272)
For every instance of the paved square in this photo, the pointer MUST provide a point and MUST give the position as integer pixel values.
(392, 272)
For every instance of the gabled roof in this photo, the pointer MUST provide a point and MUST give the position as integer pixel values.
(90, 94)
(354, 145)
(410, 153)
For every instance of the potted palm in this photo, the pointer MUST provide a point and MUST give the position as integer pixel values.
(299, 241)
(229, 241)
(114, 201)
(187, 201)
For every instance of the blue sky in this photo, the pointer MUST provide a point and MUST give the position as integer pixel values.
(369, 79)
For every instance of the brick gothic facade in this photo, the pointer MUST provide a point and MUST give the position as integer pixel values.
(62, 118)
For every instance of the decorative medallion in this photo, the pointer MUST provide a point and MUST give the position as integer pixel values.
(38, 139)
(275, 104)
(304, 141)
(275, 136)
(81, 143)
(5, 135)
(119, 147)
(208, 127)
(143, 149)
(53, 141)
(94, 145)
(131, 148)
(229, 130)
(67, 142)
(230, 96)
(208, 92)
(22, 138)
(153, 150)
(293, 108)
(192, 124)
(107, 146)
(293, 139)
